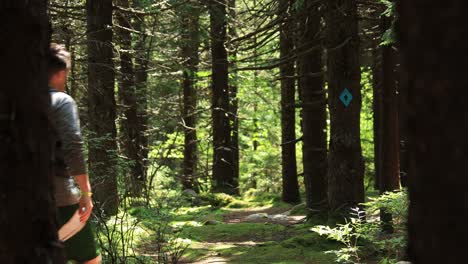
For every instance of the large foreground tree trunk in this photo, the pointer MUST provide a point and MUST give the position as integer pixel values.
(101, 105)
(433, 43)
(223, 167)
(190, 43)
(345, 163)
(288, 105)
(28, 228)
(314, 116)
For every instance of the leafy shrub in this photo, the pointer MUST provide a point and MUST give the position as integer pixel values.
(363, 237)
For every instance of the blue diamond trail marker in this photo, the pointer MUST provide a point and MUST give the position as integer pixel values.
(346, 97)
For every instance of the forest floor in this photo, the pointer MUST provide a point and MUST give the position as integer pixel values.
(271, 232)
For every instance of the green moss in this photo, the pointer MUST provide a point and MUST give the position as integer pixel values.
(200, 214)
(235, 232)
(239, 204)
(310, 240)
(271, 252)
(217, 199)
(276, 253)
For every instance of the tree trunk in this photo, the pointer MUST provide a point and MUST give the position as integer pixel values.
(223, 169)
(377, 105)
(314, 116)
(190, 44)
(101, 105)
(142, 53)
(433, 44)
(28, 227)
(288, 106)
(390, 173)
(390, 136)
(127, 94)
(345, 163)
(403, 124)
(234, 88)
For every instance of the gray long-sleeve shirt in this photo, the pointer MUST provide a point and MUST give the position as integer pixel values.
(69, 159)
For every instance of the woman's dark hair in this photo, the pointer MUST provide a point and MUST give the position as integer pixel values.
(59, 59)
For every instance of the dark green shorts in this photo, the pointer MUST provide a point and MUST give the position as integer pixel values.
(83, 245)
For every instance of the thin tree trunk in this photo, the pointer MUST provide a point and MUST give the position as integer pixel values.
(314, 116)
(345, 162)
(101, 105)
(28, 227)
(433, 43)
(390, 173)
(288, 106)
(189, 47)
(127, 95)
(403, 120)
(223, 167)
(377, 106)
(234, 88)
(142, 53)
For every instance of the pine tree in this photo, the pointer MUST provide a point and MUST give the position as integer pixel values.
(345, 162)
(28, 228)
(223, 169)
(314, 116)
(288, 104)
(102, 105)
(433, 44)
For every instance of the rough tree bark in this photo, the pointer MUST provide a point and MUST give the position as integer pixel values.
(288, 105)
(190, 43)
(433, 42)
(28, 228)
(345, 162)
(390, 147)
(142, 53)
(223, 169)
(234, 88)
(128, 99)
(314, 116)
(101, 105)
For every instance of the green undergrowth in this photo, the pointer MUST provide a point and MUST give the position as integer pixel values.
(236, 232)
(258, 243)
(249, 200)
(208, 237)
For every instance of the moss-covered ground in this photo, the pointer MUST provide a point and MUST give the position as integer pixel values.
(221, 234)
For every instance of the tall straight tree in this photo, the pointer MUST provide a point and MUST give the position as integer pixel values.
(389, 141)
(101, 105)
(433, 44)
(288, 104)
(345, 162)
(28, 228)
(314, 115)
(142, 48)
(234, 86)
(190, 43)
(129, 127)
(223, 169)
(377, 110)
(390, 133)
